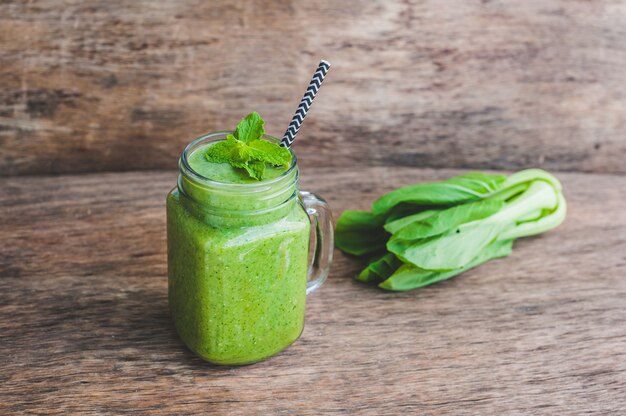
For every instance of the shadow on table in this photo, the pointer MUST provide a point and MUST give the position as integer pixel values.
(142, 330)
(132, 327)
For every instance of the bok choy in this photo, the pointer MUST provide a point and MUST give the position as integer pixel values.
(424, 233)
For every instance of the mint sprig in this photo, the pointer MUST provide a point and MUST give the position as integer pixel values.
(246, 149)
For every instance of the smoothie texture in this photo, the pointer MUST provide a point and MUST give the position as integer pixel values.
(237, 259)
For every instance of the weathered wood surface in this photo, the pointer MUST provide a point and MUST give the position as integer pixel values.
(123, 85)
(84, 324)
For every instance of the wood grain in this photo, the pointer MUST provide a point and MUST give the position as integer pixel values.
(84, 324)
(113, 85)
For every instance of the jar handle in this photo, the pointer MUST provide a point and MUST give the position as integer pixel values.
(321, 239)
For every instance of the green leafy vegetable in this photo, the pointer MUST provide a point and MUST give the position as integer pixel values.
(434, 231)
(394, 224)
(379, 270)
(246, 149)
(448, 251)
(408, 277)
(457, 190)
(440, 221)
(359, 233)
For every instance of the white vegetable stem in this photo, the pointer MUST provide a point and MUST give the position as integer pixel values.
(543, 194)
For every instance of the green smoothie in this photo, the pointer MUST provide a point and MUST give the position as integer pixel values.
(237, 259)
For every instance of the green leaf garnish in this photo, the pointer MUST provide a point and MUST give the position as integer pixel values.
(246, 149)
(250, 128)
(269, 152)
(255, 169)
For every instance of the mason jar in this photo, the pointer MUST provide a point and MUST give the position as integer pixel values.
(241, 259)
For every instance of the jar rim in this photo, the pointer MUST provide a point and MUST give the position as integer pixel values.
(186, 168)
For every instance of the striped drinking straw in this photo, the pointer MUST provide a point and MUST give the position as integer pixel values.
(305, 104)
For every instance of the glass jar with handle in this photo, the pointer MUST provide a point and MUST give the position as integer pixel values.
(241, 259)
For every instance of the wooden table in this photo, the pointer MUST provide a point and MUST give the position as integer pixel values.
(85, 329)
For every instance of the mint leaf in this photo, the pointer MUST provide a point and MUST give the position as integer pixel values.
(221, 152)
(245, 149)
(229, 151)
(240, 152)
(250, 128)
(269, 152)
(255, 169)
